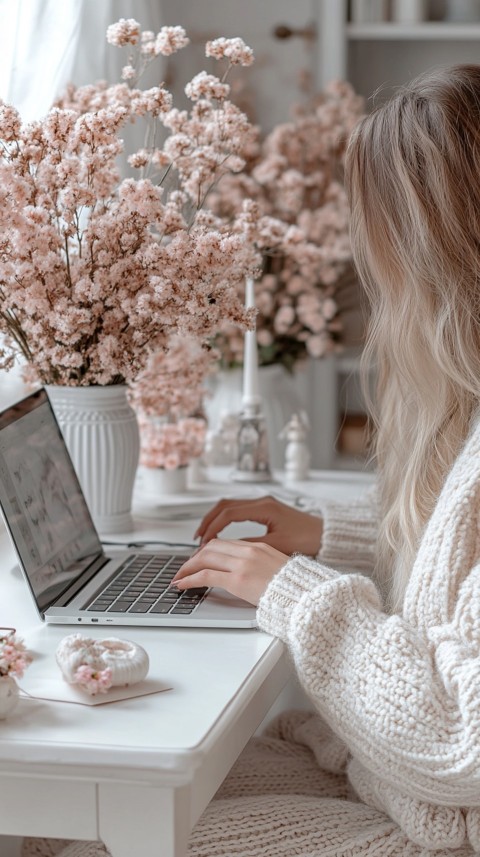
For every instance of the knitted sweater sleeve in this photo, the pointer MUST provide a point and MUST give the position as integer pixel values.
(406, 703)
(349, 530)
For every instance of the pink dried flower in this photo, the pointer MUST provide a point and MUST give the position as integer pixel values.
(169, 40)
(173, 382)
(125, 32)
(139, 159)
(155, 101)
(92, 680)
(97, 273)
(10, 123)
(14, 657)
(167, 397)
(235, 50)
(318, 345)
(292, 205)
(128, 72)
(170, 444)
(206, 86)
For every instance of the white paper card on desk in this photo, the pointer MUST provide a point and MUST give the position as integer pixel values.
(56, 690)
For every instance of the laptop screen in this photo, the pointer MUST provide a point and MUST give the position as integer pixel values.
(42, 501)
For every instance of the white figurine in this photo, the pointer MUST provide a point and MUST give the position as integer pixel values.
(297, 454)
(221, 444)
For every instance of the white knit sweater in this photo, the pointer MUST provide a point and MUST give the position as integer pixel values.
(402, 692)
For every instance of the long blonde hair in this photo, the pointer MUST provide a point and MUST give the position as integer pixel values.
(413, 178)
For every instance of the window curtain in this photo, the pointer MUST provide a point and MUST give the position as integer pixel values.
(45, 44)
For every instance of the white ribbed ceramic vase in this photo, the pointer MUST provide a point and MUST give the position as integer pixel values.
(101, 432)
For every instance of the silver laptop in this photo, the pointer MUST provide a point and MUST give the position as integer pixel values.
(71, 578)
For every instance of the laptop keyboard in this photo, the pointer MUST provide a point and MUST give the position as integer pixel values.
(142, 584)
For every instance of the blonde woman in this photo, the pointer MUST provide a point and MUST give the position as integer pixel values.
(389, 651)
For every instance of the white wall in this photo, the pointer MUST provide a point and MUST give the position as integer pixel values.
(272, 83)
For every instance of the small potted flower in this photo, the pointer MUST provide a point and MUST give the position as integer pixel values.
(167, 397)
(14, 659)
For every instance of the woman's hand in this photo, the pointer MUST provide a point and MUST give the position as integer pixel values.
(240, 567)
(288, 530)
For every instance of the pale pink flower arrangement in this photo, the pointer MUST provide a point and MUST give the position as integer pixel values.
(173, 382)
(96, 272)
(14, 657)
(299, 221)
(93, 680)
(167, 397)
(170, 444)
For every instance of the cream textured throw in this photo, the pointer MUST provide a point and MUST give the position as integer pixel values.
(392, 765)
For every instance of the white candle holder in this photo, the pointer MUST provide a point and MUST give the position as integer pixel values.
(252, 460)
(252, 457)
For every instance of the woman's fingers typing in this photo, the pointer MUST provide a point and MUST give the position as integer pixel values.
(288, 529)
(242, 568)
(228, 512)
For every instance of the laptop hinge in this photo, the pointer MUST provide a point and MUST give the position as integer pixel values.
(82, 581)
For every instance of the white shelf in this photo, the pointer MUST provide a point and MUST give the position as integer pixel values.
(428, 31)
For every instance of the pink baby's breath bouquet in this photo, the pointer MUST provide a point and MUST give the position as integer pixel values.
(167, 397)
(299, 222)
(14, 657)
(171, 445)
(96, 272)
(14, 660)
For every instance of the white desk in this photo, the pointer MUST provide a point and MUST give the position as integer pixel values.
(136, 774)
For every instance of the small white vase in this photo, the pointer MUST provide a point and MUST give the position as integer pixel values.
(8, 695)
(158, 481)
(101, 433)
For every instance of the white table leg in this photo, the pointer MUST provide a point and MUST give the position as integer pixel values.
(143, 820)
